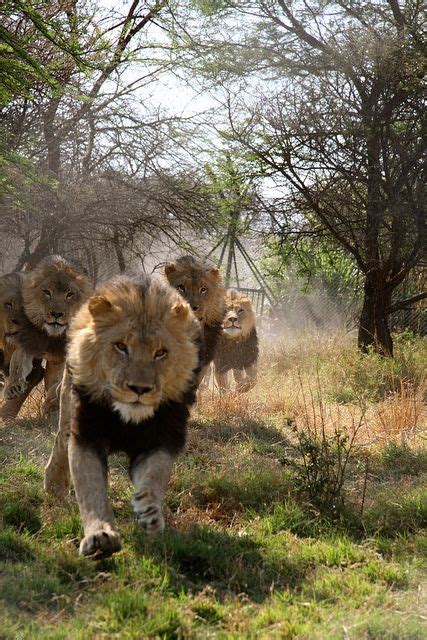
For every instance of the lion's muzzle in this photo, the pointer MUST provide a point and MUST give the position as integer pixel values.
(55, 328)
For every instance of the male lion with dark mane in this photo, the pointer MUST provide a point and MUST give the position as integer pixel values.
(11, 306)
(237, 349)
(133, 359)
(200, 284)
(51, 294)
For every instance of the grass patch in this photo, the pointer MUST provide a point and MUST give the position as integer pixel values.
(247, 553)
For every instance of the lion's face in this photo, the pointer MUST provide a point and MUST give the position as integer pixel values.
(53, 293)
(239, 317)
(134, 343)
(200, 284)
(10, 306)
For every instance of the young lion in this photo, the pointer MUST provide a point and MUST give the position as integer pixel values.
(200, 284)
(132, 363)
(238, 346)
(51, 294)
(10, 314)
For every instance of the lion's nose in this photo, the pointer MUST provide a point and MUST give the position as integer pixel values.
(233, 318)
(140, 390)
(57, 314)
(195, 307)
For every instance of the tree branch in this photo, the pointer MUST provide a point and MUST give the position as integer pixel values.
(403, 304)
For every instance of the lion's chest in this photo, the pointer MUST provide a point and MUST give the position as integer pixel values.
(236, 354)
(103, 428)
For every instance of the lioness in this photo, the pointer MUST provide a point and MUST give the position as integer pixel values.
(51, 294)
(10, 314)
(200, 284)
(238, 346)
(132, 364)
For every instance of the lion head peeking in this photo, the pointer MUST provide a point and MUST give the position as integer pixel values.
(200, 284)
(53, 292)
(239, 318)
(134, 343)
(10, 306)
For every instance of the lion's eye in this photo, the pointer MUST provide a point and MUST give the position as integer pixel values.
(47, 293)
(240, 311)
(203, 289)
(160, 353)
(8, 305)
(181, 288)
(69, 295)
(121, 347)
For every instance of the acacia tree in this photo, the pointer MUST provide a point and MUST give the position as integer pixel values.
(334, 114)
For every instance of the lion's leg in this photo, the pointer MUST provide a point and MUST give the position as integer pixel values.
(252, 372)
(89, 473)
(251, 378)
(57, 471)
(245, 383)
(238, 377)
(204, 370)
(202, 373)
(221, 380)
(10, 408)
(242, 382)
(150, 475)
(52, 379)
(205, 376)
(20, 367)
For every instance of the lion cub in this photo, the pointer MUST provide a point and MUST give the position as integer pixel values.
(51, 294)
(238, 346)
(133, 359)
(200, 284)
(11, 306)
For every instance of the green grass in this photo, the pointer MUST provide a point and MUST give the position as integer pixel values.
(244, 555)
(250, 561)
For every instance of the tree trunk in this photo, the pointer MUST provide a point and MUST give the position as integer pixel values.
(373, 322)
(119, 253)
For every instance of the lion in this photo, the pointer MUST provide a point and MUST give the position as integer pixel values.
(238, 345)
(132, 365)
(200, 284)
(11, 307)
(51, 294)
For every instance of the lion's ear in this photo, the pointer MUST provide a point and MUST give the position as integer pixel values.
(170, 268)
(99, 306)
(215, 272)
(180, 310)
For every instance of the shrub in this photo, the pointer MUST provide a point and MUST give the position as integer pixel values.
(320, 471)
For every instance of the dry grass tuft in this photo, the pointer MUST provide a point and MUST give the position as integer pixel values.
(401, 416)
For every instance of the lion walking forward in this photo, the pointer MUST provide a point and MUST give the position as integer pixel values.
(51, 294)
(132, 366)
(238, 345)
(200, 284)
(11, 310)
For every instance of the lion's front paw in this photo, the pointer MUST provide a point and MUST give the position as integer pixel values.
(50, 410)
(56, 480)
(14, 389)
(148, 513)
(100, 543)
